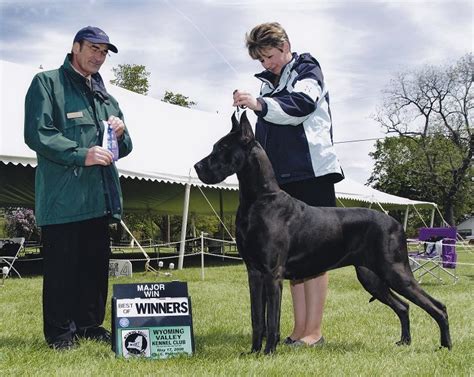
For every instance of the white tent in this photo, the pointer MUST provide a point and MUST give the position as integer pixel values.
(158, 175)
(167, 139)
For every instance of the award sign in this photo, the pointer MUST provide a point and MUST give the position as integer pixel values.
(152, 320)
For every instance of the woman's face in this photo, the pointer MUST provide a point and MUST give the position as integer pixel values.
(274, 59)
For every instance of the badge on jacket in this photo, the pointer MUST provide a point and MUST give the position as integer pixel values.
(77, 114)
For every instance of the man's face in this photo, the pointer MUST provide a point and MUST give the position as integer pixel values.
(89, 57)
(274, 59)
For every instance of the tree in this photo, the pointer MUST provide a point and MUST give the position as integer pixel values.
(433, 108)
(133, 77)
(178, 99)
(400, 169)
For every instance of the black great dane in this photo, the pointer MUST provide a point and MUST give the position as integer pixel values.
(280, 237)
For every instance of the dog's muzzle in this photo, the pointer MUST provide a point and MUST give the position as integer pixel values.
(202, 172)
(206, 174)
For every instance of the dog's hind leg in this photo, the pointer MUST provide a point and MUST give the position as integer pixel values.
(380, 290)
(406, 285)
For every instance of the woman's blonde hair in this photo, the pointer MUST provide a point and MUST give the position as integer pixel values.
(265, 36)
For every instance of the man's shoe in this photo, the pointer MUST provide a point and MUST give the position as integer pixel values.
(95, 333)
(63, 345)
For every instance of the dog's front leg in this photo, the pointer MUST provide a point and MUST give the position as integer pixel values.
(257, 307)
(273, 290)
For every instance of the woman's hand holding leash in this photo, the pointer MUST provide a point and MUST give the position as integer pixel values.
(245, 99)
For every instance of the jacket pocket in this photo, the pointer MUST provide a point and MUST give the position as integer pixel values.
(57, 197)
(82, 130)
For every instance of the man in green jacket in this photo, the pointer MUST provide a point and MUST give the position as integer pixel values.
(77, 188)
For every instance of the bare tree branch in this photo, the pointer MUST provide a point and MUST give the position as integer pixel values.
(431, 102)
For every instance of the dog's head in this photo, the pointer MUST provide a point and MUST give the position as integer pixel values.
(228, 154)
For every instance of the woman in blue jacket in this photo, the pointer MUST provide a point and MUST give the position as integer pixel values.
(295, 129)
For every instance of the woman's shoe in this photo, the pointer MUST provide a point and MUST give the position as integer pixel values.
(317, 343)
(288, 341)
(300, 343)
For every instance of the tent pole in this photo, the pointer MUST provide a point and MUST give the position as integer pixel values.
(151, 227)
(168, 229)
(221, 213)
(405, 220)
(184, 224)
(202, 255)
(432, 218)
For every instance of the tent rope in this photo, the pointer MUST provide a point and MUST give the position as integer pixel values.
(442, 218)
(215, 213)
(147, 263)
(341, 203)
(383, 209)
(421, 217)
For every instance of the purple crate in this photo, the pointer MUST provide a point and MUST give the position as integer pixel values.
(448, 254)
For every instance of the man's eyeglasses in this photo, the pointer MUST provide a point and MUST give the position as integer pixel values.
(97, 50)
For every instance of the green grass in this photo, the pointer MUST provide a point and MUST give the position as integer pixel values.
(360, 336)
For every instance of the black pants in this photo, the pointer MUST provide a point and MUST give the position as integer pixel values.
(75, 279)
(316, 192)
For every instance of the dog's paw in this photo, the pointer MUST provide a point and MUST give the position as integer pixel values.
(269, 351)
(403, 342)
(250, 353)
(444, 347)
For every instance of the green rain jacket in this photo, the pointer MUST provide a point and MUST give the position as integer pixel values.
(63, 119)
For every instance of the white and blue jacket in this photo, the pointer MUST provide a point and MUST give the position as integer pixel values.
(294, 126)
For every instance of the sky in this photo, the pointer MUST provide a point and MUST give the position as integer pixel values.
(197, 48)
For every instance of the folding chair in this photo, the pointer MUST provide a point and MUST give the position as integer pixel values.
(10, 249)
(437, 254)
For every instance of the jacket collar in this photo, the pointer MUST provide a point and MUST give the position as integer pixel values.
(97, 82)
(269, 77)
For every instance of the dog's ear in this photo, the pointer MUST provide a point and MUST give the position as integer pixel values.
(235, 123)
(247, 132)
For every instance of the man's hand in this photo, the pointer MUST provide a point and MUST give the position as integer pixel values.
(99, 156)
(246, 99)
(117, 125)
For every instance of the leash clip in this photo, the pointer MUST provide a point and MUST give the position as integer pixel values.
(237, 112)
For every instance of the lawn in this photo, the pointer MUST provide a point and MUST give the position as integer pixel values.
(360, 335)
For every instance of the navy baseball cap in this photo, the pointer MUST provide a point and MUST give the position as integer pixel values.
(94, 35)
